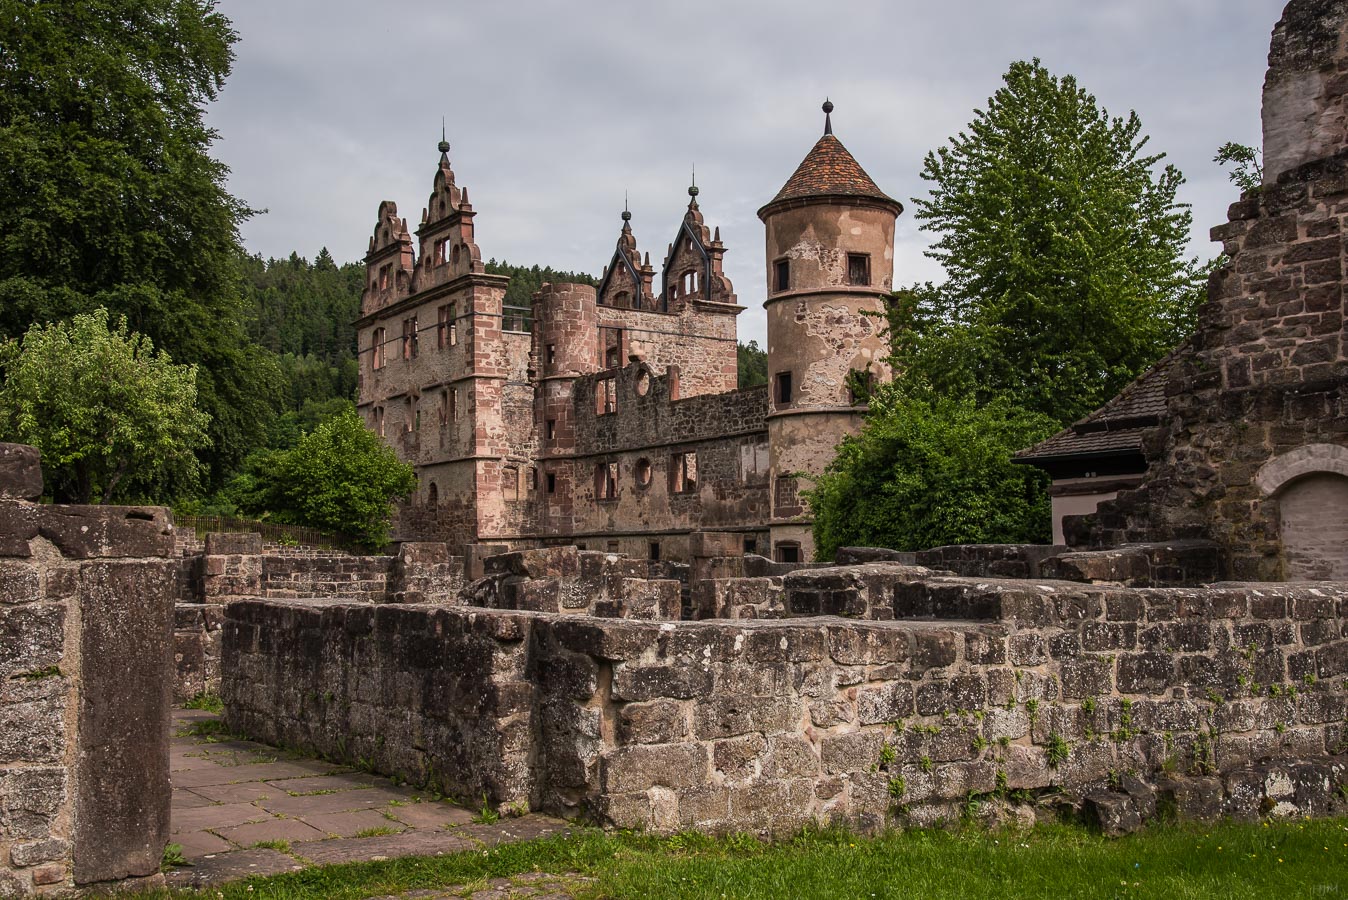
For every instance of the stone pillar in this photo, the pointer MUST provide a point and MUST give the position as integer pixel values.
(86, 668)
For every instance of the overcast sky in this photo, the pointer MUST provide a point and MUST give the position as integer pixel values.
(555, 109)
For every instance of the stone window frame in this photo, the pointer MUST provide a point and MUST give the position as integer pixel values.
(409, 344)
(682, 476)
(862, 260)
(786, 496)
(377, 357)
(781, 275)
(606, 481)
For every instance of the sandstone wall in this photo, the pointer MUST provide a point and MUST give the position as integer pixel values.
(86, 605)
(1228, 700)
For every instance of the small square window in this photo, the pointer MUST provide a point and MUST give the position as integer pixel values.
(788, 553)
(781, 275)
(858, 269)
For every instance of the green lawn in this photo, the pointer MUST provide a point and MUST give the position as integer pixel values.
(1274, 860)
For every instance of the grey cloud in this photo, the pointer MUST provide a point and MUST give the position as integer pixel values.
(556, 108)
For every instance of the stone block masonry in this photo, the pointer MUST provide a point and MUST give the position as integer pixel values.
(1227, 700)
(86, 624)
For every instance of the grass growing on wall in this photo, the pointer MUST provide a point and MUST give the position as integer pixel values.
(1275, 859)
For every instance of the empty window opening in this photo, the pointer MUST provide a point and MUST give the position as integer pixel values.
(783, 388)
(750, 545)
(377, 359)
(433, 495)
(552, 482)
(379, 420)
(551, 429)
(409, 338)
(606, 481)
(444, 408)
(655, 551)
(385, 276)
(643, 385)
(551, 354)
(788, 552)
(454, 405)
(510, 483)
(781, 280)
(409, 413)
(443, 317)
(683, 473)
(642, 472)
(606, 396)
(858, 268)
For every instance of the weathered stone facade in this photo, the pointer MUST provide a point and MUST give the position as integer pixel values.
(86, 624)
(1252, 451)
(609, 417)
(920, 692)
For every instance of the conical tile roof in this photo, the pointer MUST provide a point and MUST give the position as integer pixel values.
(828, 170)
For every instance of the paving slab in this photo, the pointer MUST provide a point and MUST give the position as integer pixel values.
(231, 795)
(431, 815)
(271, 830)
(220, 815)
(222, 867)
(244, 792)
(350, 824)
(348, 781)
(411, 843)
(200, 843)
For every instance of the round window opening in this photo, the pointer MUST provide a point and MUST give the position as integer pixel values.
(643, 385)
(643, 472)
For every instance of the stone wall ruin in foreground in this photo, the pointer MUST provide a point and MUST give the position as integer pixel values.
(1223, 700)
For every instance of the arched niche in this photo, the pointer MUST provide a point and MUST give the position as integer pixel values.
(1310, 486)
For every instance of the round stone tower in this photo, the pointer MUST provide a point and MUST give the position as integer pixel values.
(830, 258)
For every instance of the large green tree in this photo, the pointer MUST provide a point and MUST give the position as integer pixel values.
(1063, 246)
(109, 196)
(112, 417)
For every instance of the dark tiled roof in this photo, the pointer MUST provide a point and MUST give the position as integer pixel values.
(829, 170)
(1116, 427)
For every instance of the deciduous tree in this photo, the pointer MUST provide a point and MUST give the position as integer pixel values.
(112, 417)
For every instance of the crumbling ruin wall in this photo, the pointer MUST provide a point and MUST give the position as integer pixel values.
(1229, 700)
(567, 580)
(1264, 387)
(86, 606)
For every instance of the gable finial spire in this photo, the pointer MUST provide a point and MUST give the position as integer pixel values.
(627, 214)
(692, 188)
(828, 116)
(444, 142)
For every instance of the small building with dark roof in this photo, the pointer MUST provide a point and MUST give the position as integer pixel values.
(1094, 459)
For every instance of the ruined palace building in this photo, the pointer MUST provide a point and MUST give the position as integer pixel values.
(610, 417)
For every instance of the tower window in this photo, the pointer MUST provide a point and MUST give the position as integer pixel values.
(781, 279)
(552, 429)
(552, 482)
(655, 551)
(410, 338)
(783, 388)
(433, 495)
(379, 420)
(552, 354)
(859, 269)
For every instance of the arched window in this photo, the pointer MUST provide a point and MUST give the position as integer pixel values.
(455, 254)
(432, 495)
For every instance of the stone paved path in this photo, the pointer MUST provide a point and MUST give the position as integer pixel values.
(242, 808)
